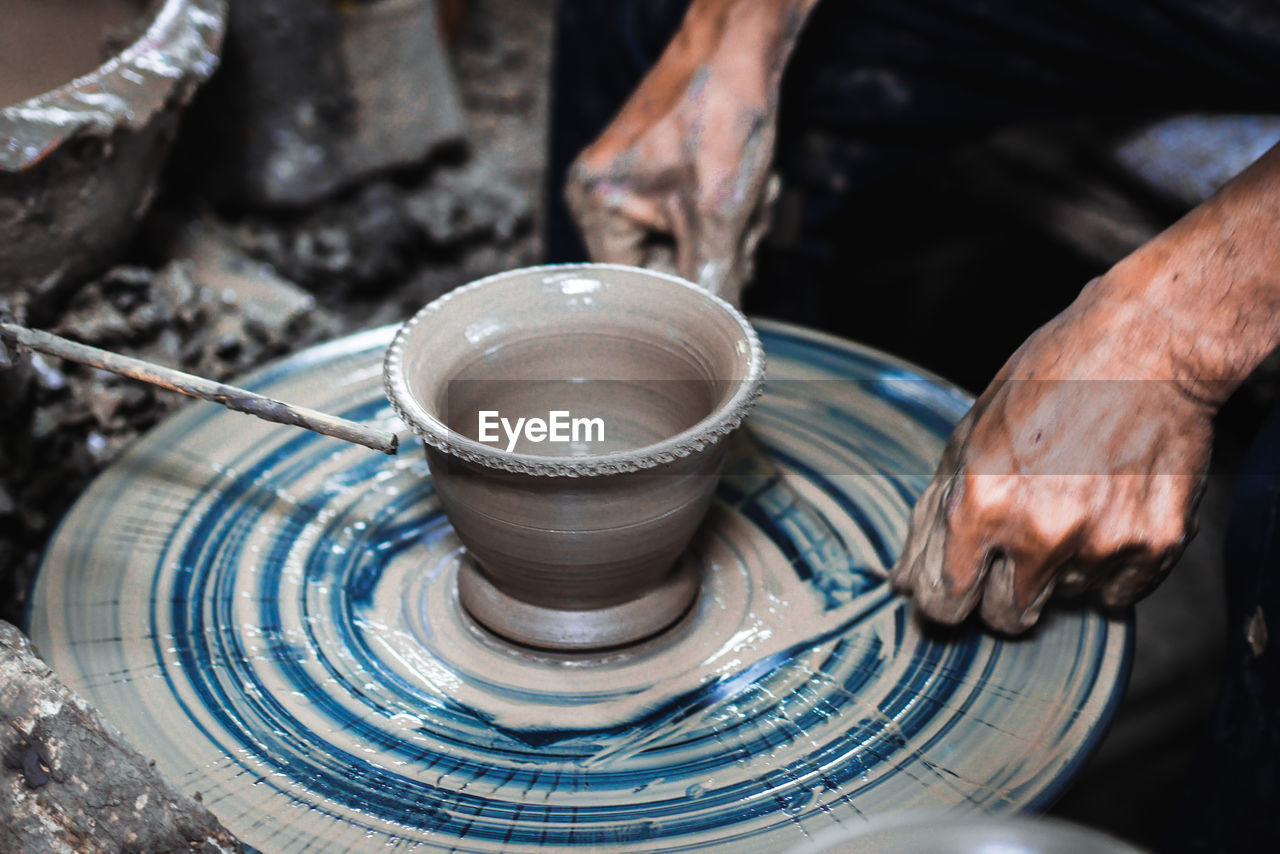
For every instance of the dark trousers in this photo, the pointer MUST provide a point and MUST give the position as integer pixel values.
(1232, 801)
(878, 85)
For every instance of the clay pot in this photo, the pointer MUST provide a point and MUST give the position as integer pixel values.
(78, 163)
(573, 543)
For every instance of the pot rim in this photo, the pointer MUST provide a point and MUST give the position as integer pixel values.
(177, 51)
(714, 427)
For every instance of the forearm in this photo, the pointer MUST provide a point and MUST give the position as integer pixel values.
(749, 42)
(1204, 296)
(772, 26)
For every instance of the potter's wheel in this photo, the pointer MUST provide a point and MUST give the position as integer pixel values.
(270, 615)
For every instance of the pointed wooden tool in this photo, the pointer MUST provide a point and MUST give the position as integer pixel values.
(241, 400)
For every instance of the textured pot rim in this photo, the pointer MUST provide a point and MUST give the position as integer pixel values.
(720, 423)
(178, 50)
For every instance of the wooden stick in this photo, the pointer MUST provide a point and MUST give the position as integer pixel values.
(231, 397)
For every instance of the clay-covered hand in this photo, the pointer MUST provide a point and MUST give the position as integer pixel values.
(1079, 467)
(687, 160)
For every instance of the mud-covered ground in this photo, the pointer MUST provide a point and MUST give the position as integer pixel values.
(370, 256)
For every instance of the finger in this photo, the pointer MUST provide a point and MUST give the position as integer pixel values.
(1123, 587)
(1037, 549)
(686, 228)
(924, 591)
(950, 579)
(1167, 521)
(719, 242)
(902, 575)
(613, 239)
(757, 226)
(710, 248)
(927, 507)
(1080, 574)
(762, 215)
(1017, 588)
(1074, 579)
(953, 452)
(613, 221)
(1141, 574)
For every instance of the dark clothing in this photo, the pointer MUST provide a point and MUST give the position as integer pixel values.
(1233, 800)
(877, 85)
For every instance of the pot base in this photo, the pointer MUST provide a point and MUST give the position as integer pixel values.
(564, 629)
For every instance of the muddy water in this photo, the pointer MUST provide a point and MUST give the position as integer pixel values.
(46, 43)
(637, 393)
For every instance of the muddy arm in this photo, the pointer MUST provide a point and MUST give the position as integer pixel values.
(687, 159)
(1081, 464)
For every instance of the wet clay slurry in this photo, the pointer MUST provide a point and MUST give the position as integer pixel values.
(47, 43)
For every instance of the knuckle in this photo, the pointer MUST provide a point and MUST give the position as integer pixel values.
(901, 579)
(961, 572)
(1074, 578)
(581, 171)
(984, 496)
(1102, 545)
(1003, 616)
(942, 607)
(1125, 587)
(1051, 525)
(586, 183)
(1146, 538)
(592, 160)
(1167, 533)
(579, 195)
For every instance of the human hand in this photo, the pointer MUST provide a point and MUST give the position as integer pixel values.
(687, 160)
(1079, 467)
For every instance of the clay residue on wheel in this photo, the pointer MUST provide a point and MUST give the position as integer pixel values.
(179, 45)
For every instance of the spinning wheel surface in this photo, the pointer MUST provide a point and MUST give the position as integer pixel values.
(271, 615)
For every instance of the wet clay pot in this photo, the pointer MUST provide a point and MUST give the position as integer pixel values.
(79, 160)
(573, 534)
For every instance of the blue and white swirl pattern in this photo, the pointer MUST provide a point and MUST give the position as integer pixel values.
(270, 615)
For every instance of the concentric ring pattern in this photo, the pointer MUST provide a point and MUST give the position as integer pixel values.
(271, 615)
